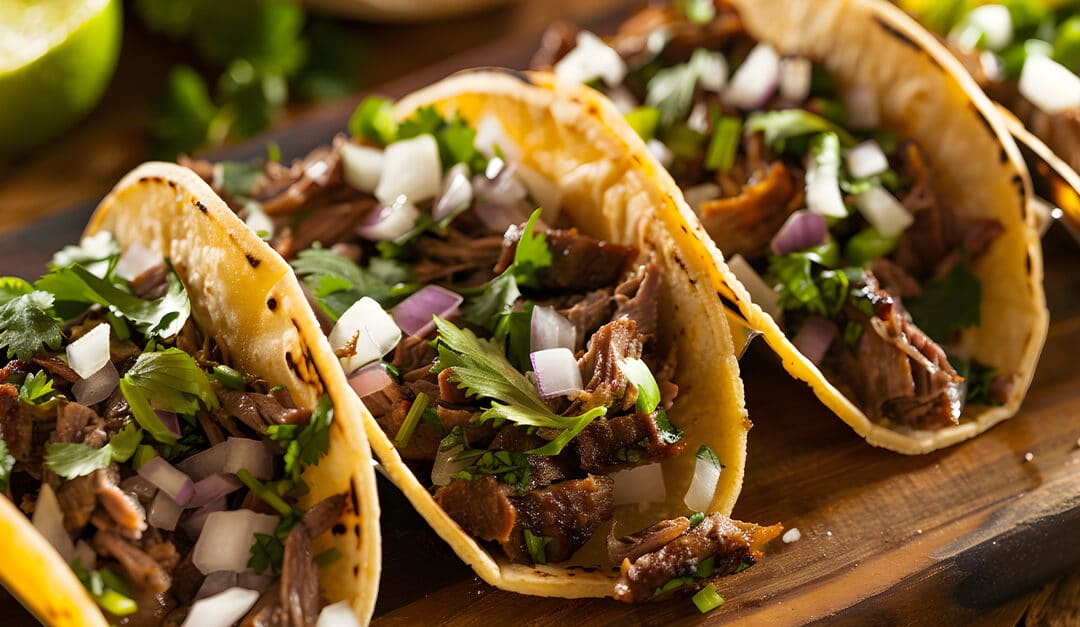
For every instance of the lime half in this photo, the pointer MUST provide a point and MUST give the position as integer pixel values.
(56, 58)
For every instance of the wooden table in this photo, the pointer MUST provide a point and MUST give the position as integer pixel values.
(975, 533)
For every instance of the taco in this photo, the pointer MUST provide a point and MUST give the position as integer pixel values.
(175, 447)
(554, 389)
(872, 209)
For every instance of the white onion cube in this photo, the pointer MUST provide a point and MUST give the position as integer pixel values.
(489, 134)
(557, 372)
(551, 329)
(90, 353)
(361, 166)
(795, 78)
(221, 610)
(136, 260)
(755, 80)
(711, 68)
(883, 211)
(226, 539)
(640, 484)
(205, 463)
(591, 58)
(995, 24)
(338, 614)
(250, 454)
(699, 495)
(1049, 85)
(374, 330)
(411, 168)
(48, 519)
(164, 512)
(866, 159)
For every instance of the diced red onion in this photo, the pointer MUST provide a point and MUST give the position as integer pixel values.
(700, 193)
(369, 380)
(361, 166)
(823, 190)
(662, 153)
(502, 188)
(542, 190)
(98, 386)
(711, 68)
(216, 486)
(169, 419)
(164, 512)
(136, 260)
(217, 582)
(640, 485)
(550, 329)
(801, 230)
(141, 488)
(861, 104)
(795, 73)
(390, 221)
(375, 333)
(205, 463)
(254, 581)
(48, 519)
(755, 80)
(252, 455)
(883, 211)
(86, 555)
(591, 58)
(866, 160)
(699, 495)
(338, 614)
(90, 353)
(221, 610)
(1049, 85)
(411, 168)
(497, 217)
(227, 537)
(994, 22)
(194, 521)
(446, 466)
(489, 134)
(557, 372)
(761, 293)
(814, 337)
(456, 194)
(414, 314)
(168, 479)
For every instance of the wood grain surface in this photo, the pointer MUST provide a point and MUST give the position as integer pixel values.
(969, 535)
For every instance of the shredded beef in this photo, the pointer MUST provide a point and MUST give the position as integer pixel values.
(259, 411)
(151, 283)
(25, 427)
(894, 279)
(567, 513)
(578, 262)
(299, 584)
(648, 540)
(729, 542)
(77, 500)
(79, 423)
(481, 506)
(324, 514)
(605, 384)
(589, 313)
(123, 508)
(745, 223)
(636, 298)
(456, 255)
(141, 570)
(57, 367)
(609, 444)
(449, 392)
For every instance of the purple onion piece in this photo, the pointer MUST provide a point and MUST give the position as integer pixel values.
(194, 521)
(213, 487)
(169, 419)
(414, 314)
(803, 229)
(814, 337)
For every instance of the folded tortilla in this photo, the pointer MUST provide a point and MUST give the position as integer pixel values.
(247, 298)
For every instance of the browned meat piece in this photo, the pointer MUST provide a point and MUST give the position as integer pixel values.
(299, 583)
(267, 611)
(258, 411)
(637, 297)
(123, 508)
(744, 224)
(684, 36)
(77, 500)
(604, 382)
(116, 406)
(283, 191)
(481, 506)
(151, 283)
(324, 514)
(449, 392)
(894, 279)
(413, 353)
(140, 569)
(589, 313)
(545, 469)
(456, 255)
(567, 513)
(382, 402)
(609, 444)
(25, 427)
(161, 550)
(331, 224)
(79, 423)
(729, 542)
(648, 540)
(977, 237)
(58, 368)
(578, 262)
(186, 580)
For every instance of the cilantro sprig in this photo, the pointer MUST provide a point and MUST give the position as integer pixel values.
(37, 388)
(74, 459)
(168, 380)
(27, 323)
(304, 444)
(337, 282)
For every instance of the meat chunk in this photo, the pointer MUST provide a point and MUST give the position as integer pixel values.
(565, 513)
(299, 583)
(25, 427)
(481, 506)
(605, 384)
(324, 514)
(151, 283)
(589, 313)
(745, 223)
(607, 445)
(139, 568)
(77, 501)
(123, 508)
(648, 540)
(578, 262)
(259, 411)
(637, 298)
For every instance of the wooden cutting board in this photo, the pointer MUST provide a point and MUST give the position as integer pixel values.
(957, 536)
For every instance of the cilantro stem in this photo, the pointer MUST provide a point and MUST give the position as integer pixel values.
(228, 377)
(724, 144)
(267, 495)
(405, 432)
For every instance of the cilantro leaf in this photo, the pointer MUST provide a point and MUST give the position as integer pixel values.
(7, 462)
(532, 257)
(697, 11)
(169, 380)
(948, 304)
(27, 323)
(507, 466)
(36, 388)
(374, 121)
(671, 91)
(803, 282)
(305, 444)
(74, 459)
(480, 368)
(337, 282)
(267, 553)
(780, 126)
(536, 545)
(161, 318)
(13, 287)
(978, 378)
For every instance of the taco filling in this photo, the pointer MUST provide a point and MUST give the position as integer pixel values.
(166, 478)
(829, 220)
(517, 364)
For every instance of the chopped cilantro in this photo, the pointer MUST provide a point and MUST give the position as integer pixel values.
(780, 126)
(337, 282)
(425, 121)
(697, 11)
(708, 599)
(948, 304)
(267, 553)
(267, 495)
(671, 91)
(696, 518)
(536, 545)
(74, 459)
(707, 454)
(408, 426)
(977, 377)
(168, 380)
(36, 388)
(509, 467)
(514, 330)
(327, 557)
(7, 462)
(668, 433)
(238, 178)
(724, 144)
(673, 584)
(644, 121)
(374, 121)
(108, 590)
(13, 287)
(804, 284)
(27, 323)
(305, 444)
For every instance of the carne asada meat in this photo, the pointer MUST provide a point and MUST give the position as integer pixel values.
(481, 506)
(609, 444)
(565, 513)
(605, 384)
(578, 262)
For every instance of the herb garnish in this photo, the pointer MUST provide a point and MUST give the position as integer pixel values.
(337, 282)
(168, 380)
(74, 459)
(36, 388)
(536, 545)
(948, 304)
(304, 444)
(27, 323)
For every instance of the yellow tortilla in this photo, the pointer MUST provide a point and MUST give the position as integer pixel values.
(924, 95)
(246, 297)
(614, 191)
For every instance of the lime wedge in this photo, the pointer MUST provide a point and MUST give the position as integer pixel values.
(56, 58)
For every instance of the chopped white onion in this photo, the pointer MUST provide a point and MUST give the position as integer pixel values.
(755, 80)
(761, 293)
(640, 484)
(550, 329)
(164, 512)
(86, 555)
(446, 466)
(1049, 85)
(489, 134)
(711, 68)
(499, 217)
(226, 539)
(791, 535)
(168, 479)
(217, 582)
(661, 152)
(795, 75)
(390, 222)
(591, 58)
(221, 610)
(499, 185)
(700, 193)
(250, 454)
(861, 104)
(369, 380)
(414, 315)
(994, 23)
(866, 160)
(699, 495)
(542, 190)
(411, 168)
(361, 166)
(257, 220)
(823, 189)
(338, 614)
(814, 337)
(698, 120)
(456, 194)
(98, 386)
(992, 65)
(205, 463)
(136, 260)
(883, 211)
(557, 372)
(214, 487)
(90, 353)
(48, 519)
(369, 328)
